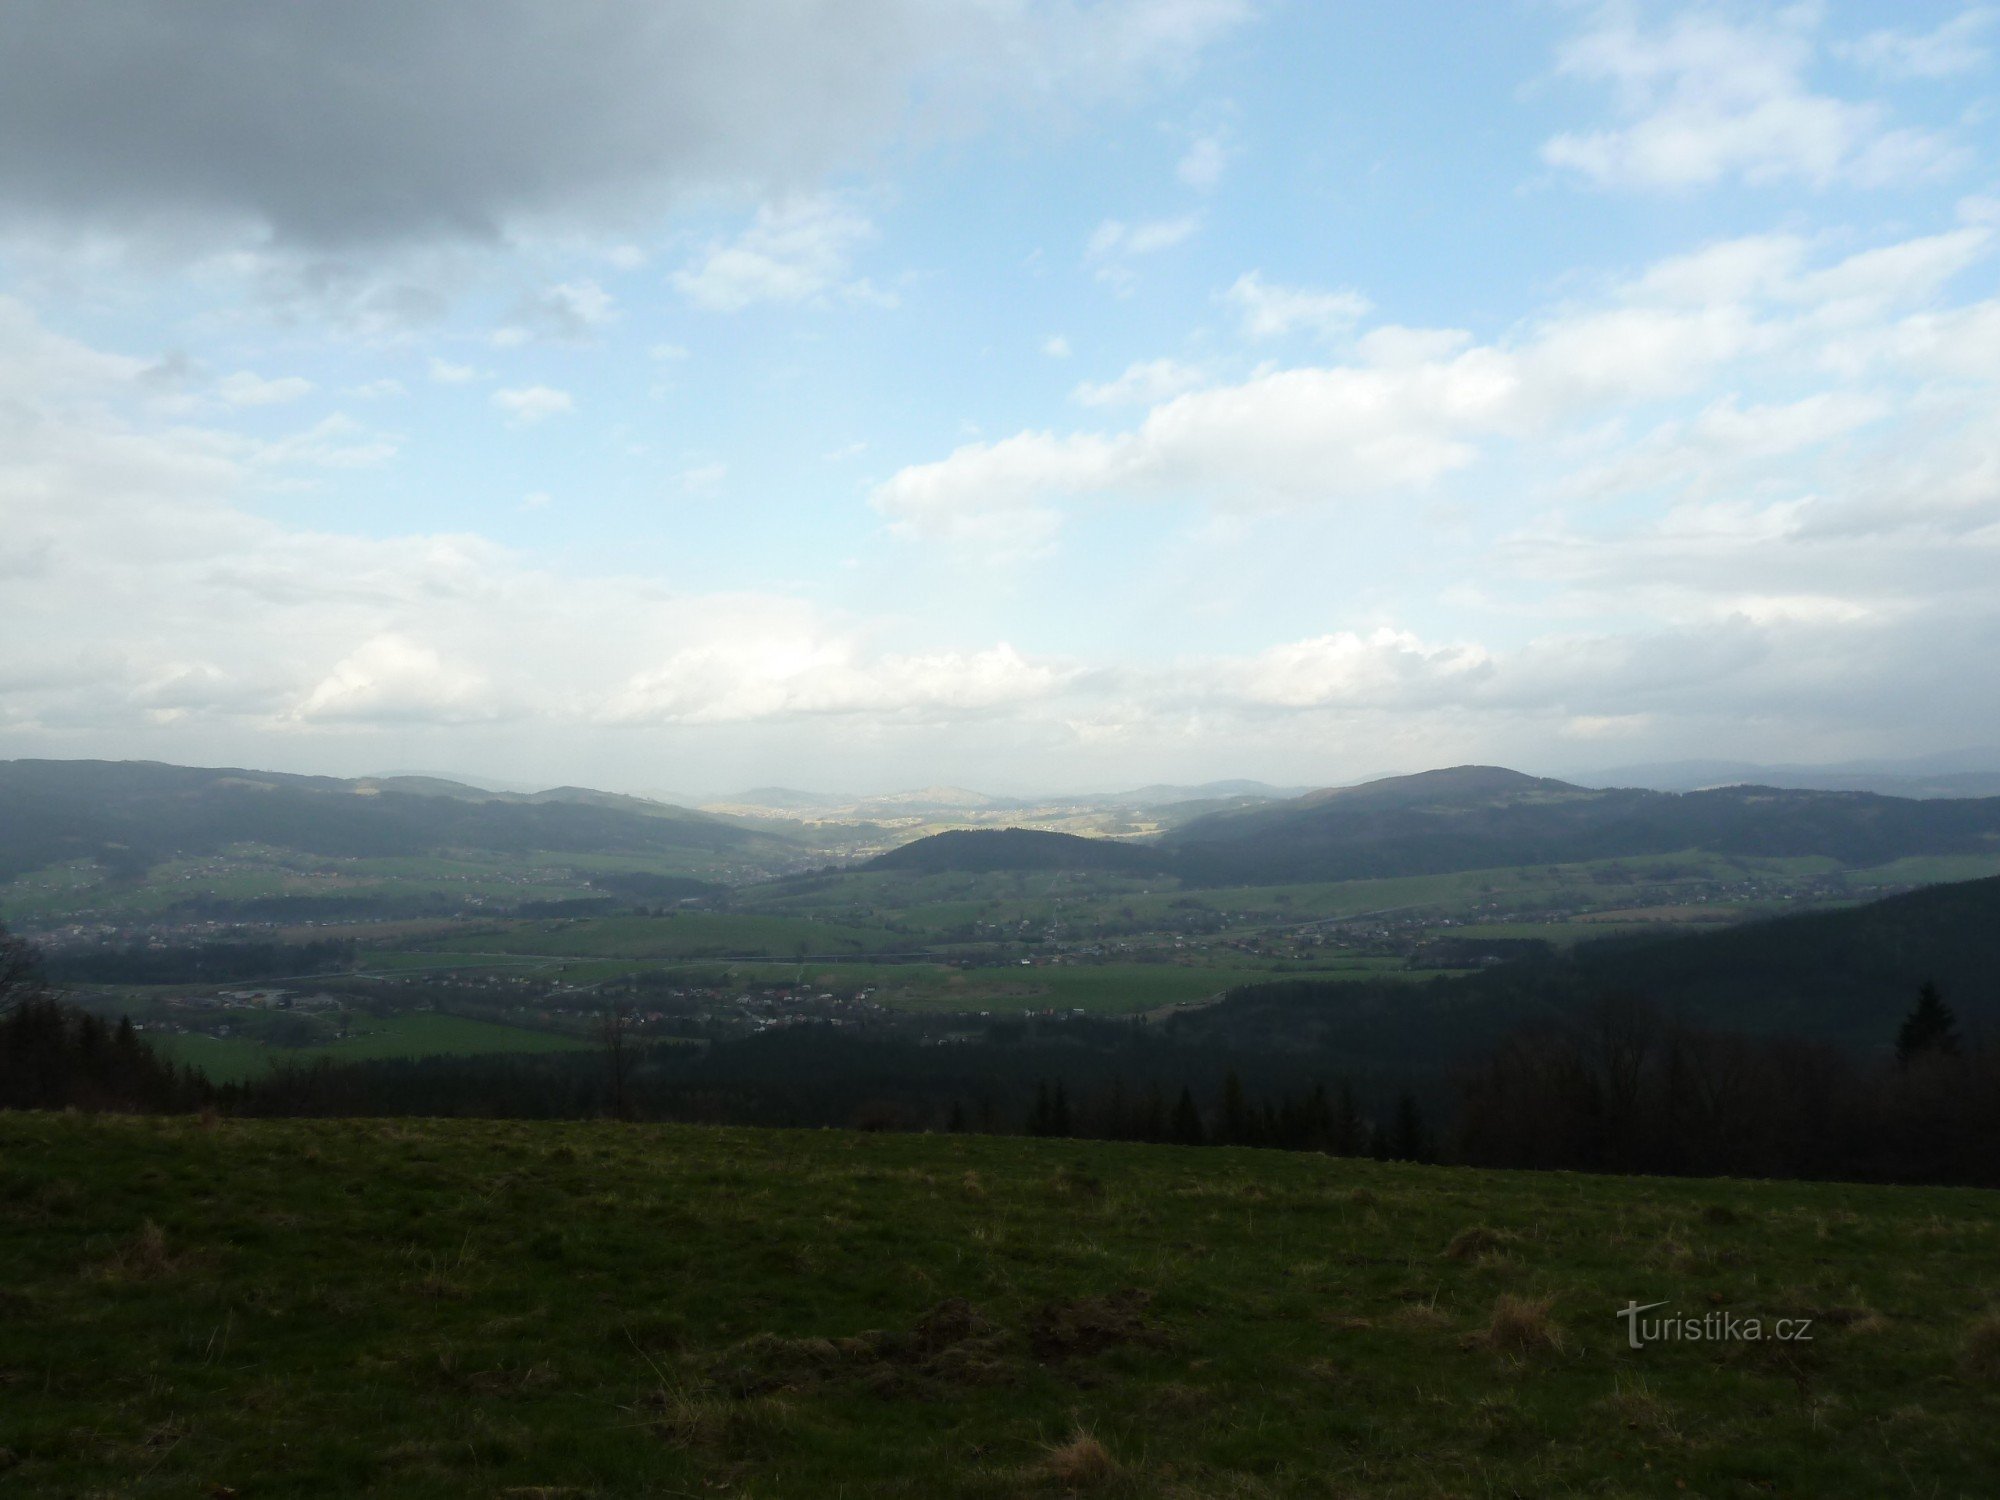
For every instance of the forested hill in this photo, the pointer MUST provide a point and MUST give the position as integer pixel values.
(1485, 817)
(130, 815)
(982, 850)
(1843, 976)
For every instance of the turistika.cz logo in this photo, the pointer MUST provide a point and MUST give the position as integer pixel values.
(1709, 1328)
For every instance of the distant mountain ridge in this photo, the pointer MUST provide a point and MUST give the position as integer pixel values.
(1478, 817)
(985, 850)
(1958, 774)
(132, 814)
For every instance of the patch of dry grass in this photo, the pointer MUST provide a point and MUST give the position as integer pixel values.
(1520, 1326)
(1081, 1463)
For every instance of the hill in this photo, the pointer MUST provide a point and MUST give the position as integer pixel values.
(1844, 976)
(440, 1308)
(983, 850)
(1487, 817)
(130, 815)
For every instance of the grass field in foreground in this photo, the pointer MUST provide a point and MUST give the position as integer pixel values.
(421, 1034)
(470, 1308)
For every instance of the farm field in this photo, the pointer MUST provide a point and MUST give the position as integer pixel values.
(451, 1308)
(683, 935)
(414, 1034)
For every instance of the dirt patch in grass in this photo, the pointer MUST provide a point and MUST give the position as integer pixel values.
(1982, 1348)
(1090, 1325)
(953, 1344)
(1470, 1244)
(1519, 1326)
(1081, 1463)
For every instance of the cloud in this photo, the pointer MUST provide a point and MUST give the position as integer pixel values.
(374, 121)
(391, 680)
(1055, 346)
(570, 312)
(1114, 244)
(1142, 383)
(1954, 47)
(1201, 166)
(245, 388)
(792, 252)
(779, 678)
(444, 372)
(1704, 99)
(1414, 406)
(531, 404)
(1272, 311)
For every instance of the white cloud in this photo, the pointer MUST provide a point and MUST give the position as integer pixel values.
(1704, 99)
(1273, 311)
(1201, 166)
(1114, 244)
(391, 680)
(1142, 383)
(1954, 47)
(1420, 404)
(781, 677)
(570, 312)
(385, 389)
(795, 251)
(1055, 346)
(444, 372)
(530, 404)
(245, 388)
(534, 500)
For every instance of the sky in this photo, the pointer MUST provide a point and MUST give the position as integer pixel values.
(1022, 394)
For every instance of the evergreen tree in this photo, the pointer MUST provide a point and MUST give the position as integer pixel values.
(1930, 1027)
(1187, 1129)
(1234, 1127)
(1059, 1114)
(1410, 1141)
(1350, 1131)
(1316, 1122)
(1042, 1121)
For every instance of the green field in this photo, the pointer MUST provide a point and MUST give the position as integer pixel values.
(684, 935)
(470, 1308)
(419, 1034)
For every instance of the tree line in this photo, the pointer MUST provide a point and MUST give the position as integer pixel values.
(1612, 1086)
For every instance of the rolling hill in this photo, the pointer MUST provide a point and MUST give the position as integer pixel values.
(1484, 817)
(129, 815)
(983, 850)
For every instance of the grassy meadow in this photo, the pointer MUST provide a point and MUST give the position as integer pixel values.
(470, 1308)
(412, 1034)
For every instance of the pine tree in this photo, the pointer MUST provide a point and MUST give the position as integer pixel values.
(1187, 1129)
(1059, 1115)
(1234, 1127)
(1410, 1141)
(1930, 1027)
(1350, 1131)
(1042, 1121)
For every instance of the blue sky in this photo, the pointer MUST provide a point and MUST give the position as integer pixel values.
(1025, 393)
